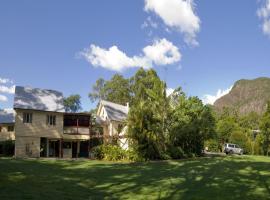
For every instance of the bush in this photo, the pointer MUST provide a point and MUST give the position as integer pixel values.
(212, 145)
(133, 155)
(249, 146)
(176, 152)
(110, 152)
(258, 150)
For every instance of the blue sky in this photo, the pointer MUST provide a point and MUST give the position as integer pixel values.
(67, 45)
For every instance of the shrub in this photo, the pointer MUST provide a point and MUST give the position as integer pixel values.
(212, 145)
(258, 150)
(133, 155)
(249, 146)
(176, 152)
(110, 153)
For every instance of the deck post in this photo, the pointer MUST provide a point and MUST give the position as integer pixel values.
(90, 129)
(47, 147)
(61, 148)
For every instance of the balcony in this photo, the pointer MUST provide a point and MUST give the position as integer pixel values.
(77, 123)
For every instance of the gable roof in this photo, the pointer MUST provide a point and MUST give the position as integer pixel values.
(115, 112)
(38, 99)
(7, 117)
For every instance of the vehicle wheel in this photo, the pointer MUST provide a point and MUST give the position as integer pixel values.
(231, 152)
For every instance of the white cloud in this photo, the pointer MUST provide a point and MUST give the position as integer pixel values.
(210, 99)
(5, 80)
(6, 89)
(178, 15)
(169, 91)
(264, 14)
(149, 23)
(113, 58)
(161, 52)
(3, 98)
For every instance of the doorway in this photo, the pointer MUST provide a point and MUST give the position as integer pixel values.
(74, 149)
(54, 147)
(84, 145)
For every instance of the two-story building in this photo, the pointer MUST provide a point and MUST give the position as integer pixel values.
(40, 126)
(43, 129)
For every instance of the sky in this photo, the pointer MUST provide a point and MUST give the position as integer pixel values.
(202, 46)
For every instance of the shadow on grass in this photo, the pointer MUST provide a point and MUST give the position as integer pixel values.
(204, 178)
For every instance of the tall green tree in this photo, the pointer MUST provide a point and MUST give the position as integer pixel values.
(97, 92)
(190, 124)
(251, 121)
(225, 127)
(265, 130)
(116, 90)
(146, 120)
(73, 103)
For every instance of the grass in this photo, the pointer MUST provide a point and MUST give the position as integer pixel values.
(236, 177)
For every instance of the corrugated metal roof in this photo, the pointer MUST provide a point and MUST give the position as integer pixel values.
(6, 117)
(38, 99)
(115, 111)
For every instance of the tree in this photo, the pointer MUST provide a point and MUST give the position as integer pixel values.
(116, 90)
(146, 120)
(72, 103)
(225, 127)
(251, 121)
(190, 124)
(97, 90)
(265, 130)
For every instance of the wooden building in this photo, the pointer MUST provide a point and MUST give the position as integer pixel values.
(43, 129)
(112, 118)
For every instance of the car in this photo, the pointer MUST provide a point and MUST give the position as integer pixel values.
(233, 149)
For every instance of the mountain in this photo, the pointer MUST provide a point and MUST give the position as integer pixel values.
(246, 96)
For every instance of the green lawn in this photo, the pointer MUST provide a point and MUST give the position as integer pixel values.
(246, 177)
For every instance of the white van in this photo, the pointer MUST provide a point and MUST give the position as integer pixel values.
(232, 149)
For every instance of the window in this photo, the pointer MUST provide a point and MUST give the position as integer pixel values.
(27, 117)
(51, 120)
(10, 128)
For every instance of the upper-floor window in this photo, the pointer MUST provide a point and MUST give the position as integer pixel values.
(10, 128)
(51, 120)
(27, 117)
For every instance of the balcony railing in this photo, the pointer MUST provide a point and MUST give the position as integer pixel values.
(77, 130)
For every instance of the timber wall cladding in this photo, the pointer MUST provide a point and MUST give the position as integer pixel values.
(27, 147)
(38, 127)
(5, 134)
